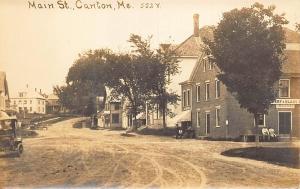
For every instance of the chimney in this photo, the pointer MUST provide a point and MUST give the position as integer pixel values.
(196, 25)
(35, 89)
(40, 91)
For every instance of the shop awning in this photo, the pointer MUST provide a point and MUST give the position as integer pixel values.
(4, 116)
(182, 116)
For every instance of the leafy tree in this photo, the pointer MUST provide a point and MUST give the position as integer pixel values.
(126, 80)
(248, 48)
(85, 81)
(157, 70)
(142, 76)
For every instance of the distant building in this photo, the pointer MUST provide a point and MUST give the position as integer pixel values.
(215, 113)
(4, 94)
(52, 104)
(112, 114)
(29, 101)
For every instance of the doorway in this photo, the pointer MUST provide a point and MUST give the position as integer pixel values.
(207, 122)
(285, 122)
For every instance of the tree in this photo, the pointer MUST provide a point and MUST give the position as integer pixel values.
(248, 48)
(127, 80)
(168, 67)
(159, 66)
(84, 82)
(142, 76)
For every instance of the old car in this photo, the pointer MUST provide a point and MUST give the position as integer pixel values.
(10, 138)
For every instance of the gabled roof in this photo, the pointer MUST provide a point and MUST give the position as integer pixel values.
(291, 36)
(3, 83)
(29, 93)
(192, 45)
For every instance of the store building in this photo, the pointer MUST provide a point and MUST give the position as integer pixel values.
(215, 113)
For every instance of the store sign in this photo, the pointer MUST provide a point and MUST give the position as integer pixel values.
(286, 101)
(285, 106)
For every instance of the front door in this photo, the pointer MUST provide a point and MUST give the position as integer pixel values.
(285, 122)
(207, 119)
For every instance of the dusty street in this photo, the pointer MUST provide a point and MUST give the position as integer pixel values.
(64, 156)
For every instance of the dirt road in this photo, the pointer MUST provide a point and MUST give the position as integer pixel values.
(64, 156)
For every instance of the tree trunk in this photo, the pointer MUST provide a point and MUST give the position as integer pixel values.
(256, 119)
(134, 125)
(164, 105)
(164, 117)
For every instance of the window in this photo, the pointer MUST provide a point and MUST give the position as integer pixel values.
(38, 101)
(261, 120)
(204, 65)
(198, 93)
(117, 106)
(30, 109)
(115, 118)
(188, 98)
(15, 102)
(25, 101)
(217, 116)
(217, 88)
(198, 118)
(284, 88)
(206, 91)
(20, 101)
(30, 101)
(184, 98)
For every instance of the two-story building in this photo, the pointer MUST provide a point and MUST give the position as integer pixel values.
(215, 113)
(4, 95)
(29, 101)
(188, 54)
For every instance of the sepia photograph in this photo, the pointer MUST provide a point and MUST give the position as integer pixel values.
(150, 94)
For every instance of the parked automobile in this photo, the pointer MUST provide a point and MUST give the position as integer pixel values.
(10, 139)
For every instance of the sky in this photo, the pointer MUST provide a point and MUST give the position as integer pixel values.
(38, 46)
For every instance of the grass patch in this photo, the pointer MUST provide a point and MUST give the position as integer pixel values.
(288, 157)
